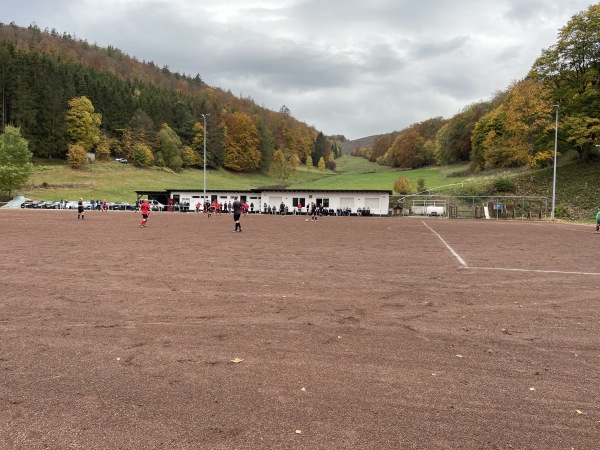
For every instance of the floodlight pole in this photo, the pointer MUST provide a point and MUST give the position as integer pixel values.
(557, 106)
(204, 163)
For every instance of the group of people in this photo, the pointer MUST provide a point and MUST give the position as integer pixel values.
(215, 207)
(94, 204)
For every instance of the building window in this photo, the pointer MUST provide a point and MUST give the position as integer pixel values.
(323, 201)
(297, 200)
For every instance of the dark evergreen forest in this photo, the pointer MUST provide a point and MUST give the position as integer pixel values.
(41, 71)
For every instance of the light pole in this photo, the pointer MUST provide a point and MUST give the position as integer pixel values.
(204, 164)
(557, 106)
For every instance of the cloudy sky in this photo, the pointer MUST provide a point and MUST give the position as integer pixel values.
(350, 67)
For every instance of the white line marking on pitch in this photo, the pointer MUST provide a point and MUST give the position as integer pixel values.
(533, 270)
(456, 255)
(503, 269)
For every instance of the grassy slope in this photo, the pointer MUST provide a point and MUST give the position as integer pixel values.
(53, 180)
(577, 188)
(577, 183)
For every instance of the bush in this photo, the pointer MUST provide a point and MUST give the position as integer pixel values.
(77, 156)
(504, 184)
(474, 190)
(561, 212)
(403, 186)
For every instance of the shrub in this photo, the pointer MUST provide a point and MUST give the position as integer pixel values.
(76, 156)
(403, 186)
(561, 212)
(504, 184)
(474, 190)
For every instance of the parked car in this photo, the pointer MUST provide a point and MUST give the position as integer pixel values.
(157, 206)
(31, 204)
(50, 205)
(120, 206)
(121, 160)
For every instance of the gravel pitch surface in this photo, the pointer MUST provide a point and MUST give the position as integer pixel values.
(352, 332)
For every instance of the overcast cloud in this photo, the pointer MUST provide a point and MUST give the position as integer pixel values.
(350, 67)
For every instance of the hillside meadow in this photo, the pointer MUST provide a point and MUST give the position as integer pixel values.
(53, 180)
(577, 196)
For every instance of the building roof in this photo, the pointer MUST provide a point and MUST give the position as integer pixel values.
(257, 191)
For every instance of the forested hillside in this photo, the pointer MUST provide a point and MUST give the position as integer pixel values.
(146, 114)
(516, 128)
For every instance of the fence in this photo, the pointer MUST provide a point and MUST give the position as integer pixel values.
(469, 207)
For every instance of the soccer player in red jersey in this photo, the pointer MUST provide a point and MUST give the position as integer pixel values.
(145, 211)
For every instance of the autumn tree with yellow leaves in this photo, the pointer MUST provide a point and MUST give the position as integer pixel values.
(241, 143)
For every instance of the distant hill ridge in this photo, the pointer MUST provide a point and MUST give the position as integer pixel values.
(349, 146)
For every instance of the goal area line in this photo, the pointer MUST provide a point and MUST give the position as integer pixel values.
(463, 264)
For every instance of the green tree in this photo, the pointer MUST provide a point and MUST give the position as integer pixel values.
(183, 122)
(309, 163)
(83, 124)
(283, 166)
(266, 146)
(169, 148)
(321, 165)
(319, 150)
(15, 160)
(571, 70)
(528, 121)
(189, 157)
(198, 142)
(142, 155)
(141, 128)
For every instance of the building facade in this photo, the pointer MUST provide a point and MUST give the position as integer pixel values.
(373, 202)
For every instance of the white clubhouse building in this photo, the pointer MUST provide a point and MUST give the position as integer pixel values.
(376, 202)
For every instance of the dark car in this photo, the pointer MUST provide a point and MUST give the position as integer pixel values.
(49, 205)
(31, 204)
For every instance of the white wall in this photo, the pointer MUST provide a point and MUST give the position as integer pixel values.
(377, 202)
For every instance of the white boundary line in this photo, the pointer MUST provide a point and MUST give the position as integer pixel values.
(503, 269)
(533, 270)
(456, 255)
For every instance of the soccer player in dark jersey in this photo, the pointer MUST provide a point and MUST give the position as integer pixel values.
(237, 212)
(80, 209)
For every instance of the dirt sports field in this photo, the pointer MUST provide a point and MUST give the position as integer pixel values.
(348, 333)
